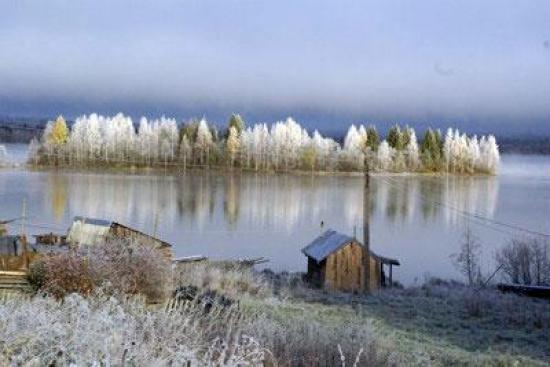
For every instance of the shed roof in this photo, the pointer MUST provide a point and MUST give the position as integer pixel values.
(326, 244)
(93, 221)
(91, 230)
(332, 241)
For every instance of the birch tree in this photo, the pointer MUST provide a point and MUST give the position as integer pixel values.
(233, 145)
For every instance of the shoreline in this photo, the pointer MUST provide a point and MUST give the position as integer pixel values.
(174, 171)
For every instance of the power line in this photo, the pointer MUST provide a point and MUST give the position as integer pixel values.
(477, 216)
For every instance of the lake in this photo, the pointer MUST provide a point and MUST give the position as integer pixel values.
(419, 220)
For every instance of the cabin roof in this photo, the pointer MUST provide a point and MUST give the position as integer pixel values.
(91, 230)
(331, 241)
(385, 260)
(326, 244)
(93, 221)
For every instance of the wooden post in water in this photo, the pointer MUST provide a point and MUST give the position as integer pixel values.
(366, 217)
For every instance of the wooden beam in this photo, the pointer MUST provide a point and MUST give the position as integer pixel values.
(366, 223)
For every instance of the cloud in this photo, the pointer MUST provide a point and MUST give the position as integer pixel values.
(443, 71)
(354, 58)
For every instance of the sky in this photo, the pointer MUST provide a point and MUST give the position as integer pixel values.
(477, 64)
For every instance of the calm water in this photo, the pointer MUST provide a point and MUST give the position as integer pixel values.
(418, 220)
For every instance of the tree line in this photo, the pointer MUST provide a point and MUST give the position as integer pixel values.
(285, 145)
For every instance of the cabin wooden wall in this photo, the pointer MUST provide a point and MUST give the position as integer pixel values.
(345, 269)
(374, 279)
(125, 232)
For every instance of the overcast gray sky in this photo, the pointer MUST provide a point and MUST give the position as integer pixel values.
(334, 61)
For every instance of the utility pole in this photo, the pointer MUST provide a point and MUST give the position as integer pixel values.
(366, 221)
(23, 216)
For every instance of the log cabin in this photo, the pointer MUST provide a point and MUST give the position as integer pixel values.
(339, 262)
(92, 231)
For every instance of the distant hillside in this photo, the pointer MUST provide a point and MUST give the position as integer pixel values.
(20, 130)
(524, 145)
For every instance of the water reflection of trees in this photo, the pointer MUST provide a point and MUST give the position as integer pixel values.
(57, 185)
(274, 202)
(437, 198)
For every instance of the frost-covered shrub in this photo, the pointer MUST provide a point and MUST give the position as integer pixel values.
(36, 275)
(103, 330)
(67, 273)
(126, 266)
(130, 267)
(232, 281)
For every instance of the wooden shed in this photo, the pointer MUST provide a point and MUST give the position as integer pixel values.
(91, 231)
(13, 253)
(339, 262)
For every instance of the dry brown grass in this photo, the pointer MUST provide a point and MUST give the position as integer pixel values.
(123, 266)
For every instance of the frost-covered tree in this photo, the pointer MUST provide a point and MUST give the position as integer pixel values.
(286, 141)
(324, 149)
(59, 133)
(463, 154)
(285, 145)
(489, 155)
(413, 155)
(33, 151)
(236, 122)
(233, 145)
(204, 143)
(308, 158)
(384, 156)
(373, 139)
(355, 144)
(185, 151)
(3, 155)
(397, 138)
(431, 150)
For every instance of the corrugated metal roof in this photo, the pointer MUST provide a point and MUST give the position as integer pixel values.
(326, 244)
(94, 221)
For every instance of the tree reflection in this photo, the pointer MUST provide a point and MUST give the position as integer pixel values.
(266, 202)
(57, 185)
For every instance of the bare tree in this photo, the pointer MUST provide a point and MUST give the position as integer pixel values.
(525, 261)
(467, 260)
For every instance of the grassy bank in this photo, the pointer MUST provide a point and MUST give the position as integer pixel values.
(439, 323)
(222, 314)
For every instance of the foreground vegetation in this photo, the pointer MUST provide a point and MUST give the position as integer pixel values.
(285, 146)
(226, 314)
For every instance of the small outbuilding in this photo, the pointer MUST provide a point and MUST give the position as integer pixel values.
(337, 261)
(50, 239)
(92, 231)
(13, 253)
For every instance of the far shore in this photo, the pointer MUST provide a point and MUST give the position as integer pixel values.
(171, 170)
